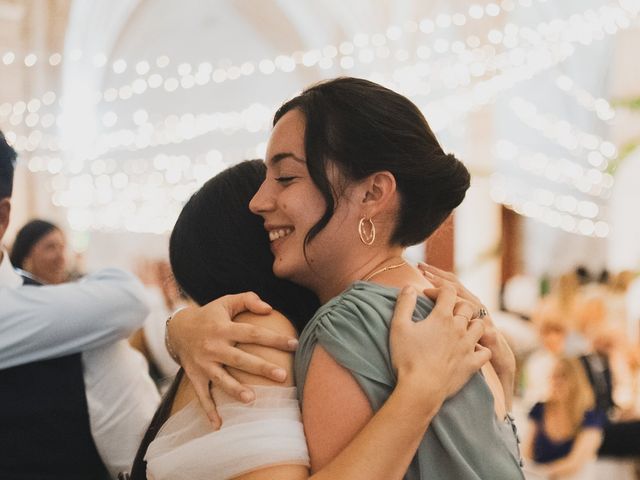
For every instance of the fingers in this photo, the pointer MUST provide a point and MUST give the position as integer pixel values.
(438, 276)
(405, 305)
(201, 386)
(256, 335)
(465, 309)
(235, 389)
(425, 267)
(475, 331)
(445, 301)
(235, 304)
(235, 358)
(481, 355)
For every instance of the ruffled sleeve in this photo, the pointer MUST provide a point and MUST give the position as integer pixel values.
(355, 331)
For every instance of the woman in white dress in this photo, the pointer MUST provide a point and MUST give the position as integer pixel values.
(218, 248)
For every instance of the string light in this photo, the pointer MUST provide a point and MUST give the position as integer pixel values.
(558, 211)
(600, 106)
(139, 186)
(442, 112)
(143, 195)
(597, 150)
(392, 32)
(324, 57)
(173, 129)
(590, 181)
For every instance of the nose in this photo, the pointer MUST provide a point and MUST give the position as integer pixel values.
(263, 200)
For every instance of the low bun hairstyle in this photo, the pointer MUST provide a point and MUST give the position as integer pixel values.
(364, 128)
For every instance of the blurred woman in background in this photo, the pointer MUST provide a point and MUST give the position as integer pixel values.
(565, 431)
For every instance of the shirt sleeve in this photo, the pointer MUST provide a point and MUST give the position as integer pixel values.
(37, 323)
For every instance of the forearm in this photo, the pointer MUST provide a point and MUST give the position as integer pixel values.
(562, 467)
(584, 450)
(45, 322)
(384, 448)
(507, 380)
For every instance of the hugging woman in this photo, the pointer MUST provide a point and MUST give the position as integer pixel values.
(354, 175)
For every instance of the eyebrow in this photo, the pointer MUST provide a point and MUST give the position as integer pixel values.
(281, 156)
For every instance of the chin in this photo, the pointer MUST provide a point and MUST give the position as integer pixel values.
(280, 270)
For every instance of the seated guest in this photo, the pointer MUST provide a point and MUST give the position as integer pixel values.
(565, 431)
(40, 250)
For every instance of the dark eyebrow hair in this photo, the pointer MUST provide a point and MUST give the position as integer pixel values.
(281, 156)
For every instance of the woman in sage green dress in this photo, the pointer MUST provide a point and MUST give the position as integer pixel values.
(354, 176)
(218, 248)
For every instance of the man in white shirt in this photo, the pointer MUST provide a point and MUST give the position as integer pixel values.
(93, 316)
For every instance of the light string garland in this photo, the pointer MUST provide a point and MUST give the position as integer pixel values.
(600, 106)
(442, 22)
(367, 46)
(150, 188)
(589, 180)
(556, 210)
(599, 152)
(476, 63)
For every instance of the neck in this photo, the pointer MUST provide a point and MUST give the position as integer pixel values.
(329, 287)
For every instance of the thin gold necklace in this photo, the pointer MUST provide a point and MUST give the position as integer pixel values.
(384, 269)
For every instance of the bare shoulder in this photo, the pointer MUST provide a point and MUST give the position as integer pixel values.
(273, 321)
(279, 323)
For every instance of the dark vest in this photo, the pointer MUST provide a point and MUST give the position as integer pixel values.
(45, 432)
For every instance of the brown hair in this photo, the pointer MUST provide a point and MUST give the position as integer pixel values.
(581, 398)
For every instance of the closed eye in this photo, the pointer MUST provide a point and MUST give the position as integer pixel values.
(284, 179)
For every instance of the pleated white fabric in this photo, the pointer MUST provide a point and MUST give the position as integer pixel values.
(264, 433)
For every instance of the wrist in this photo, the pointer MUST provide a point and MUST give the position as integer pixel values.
(424, 395)
(168, 342)
(506, 375)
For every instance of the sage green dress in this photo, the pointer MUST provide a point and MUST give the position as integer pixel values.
(465, 439)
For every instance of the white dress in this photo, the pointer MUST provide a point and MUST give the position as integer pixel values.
(264, 433)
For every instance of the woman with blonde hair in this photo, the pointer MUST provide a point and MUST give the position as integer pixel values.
(565, 431)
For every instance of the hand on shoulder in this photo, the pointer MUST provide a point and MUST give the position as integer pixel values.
(279, 324)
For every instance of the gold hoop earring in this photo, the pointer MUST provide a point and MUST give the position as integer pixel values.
(367, 238)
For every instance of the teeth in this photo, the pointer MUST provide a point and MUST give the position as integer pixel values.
(282, 232)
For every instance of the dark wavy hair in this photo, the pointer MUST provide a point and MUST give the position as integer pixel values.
(27, 237)
(218, 247)
(364, 128)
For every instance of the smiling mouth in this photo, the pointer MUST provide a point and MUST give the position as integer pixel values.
(279, 233)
